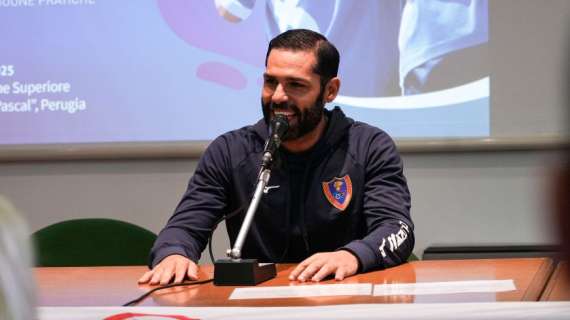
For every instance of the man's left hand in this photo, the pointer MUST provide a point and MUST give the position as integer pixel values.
(318, 266)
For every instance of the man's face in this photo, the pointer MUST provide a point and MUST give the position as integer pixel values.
(291, 88)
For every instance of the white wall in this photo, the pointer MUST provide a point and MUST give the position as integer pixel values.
(480, 198)
(457, 198)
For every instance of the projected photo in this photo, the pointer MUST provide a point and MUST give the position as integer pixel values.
(186, 70)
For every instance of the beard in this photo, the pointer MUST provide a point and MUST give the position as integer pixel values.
(304, 121)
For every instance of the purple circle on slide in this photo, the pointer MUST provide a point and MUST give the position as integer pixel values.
(198, 23)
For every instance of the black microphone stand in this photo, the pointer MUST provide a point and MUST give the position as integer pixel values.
(235, 271)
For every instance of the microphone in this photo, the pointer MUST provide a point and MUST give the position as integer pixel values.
(278, 126)
(277, 129)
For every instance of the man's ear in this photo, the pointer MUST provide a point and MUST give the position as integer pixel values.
(332, 88)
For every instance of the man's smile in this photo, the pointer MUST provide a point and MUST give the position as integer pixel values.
(289, 114)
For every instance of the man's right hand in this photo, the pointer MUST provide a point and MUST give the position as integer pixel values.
(174, 266)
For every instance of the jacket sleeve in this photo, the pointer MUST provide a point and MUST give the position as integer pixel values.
(386, 209)
(203, 203)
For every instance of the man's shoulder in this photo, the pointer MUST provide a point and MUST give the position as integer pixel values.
(242, 141)
(353, 127)
(361, 135)
(245, 134)
(360, 131)
(366, 142)
(236, 135)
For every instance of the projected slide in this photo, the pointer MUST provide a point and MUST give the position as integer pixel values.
(85, 71)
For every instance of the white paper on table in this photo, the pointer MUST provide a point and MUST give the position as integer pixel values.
(299, 291)
(443, 287)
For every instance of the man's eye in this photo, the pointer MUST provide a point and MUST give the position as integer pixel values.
(270, 82)
(296, 85)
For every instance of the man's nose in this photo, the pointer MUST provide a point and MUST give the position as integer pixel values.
(279, 95)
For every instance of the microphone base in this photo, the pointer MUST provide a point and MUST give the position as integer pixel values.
(242, 272)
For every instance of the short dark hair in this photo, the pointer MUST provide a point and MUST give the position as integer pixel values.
(327, 55)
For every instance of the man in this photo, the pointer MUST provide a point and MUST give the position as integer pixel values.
(337, 201)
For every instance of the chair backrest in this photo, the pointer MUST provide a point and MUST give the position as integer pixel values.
(437, 252)
(413, 257)
(92, 242)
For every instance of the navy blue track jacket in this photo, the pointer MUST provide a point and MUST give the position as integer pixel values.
(353, 196)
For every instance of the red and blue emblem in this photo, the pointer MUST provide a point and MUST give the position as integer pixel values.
(338, 192)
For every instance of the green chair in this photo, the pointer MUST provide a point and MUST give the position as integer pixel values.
(92, 242)
(413, 257)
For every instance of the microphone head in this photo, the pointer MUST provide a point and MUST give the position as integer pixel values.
(278, 126)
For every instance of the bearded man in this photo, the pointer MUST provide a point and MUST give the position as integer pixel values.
(337, 201)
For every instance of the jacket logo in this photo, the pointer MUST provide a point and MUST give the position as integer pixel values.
(338, 192)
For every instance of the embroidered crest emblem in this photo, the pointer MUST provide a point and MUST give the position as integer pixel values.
(338, 192)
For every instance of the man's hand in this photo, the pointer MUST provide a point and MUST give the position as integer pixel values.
(176, 266)
(316, 267)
